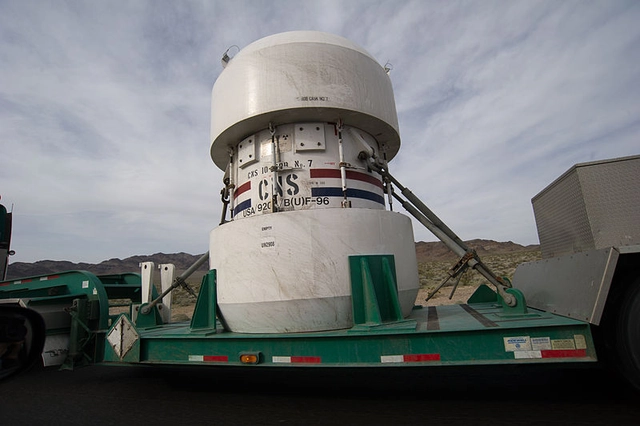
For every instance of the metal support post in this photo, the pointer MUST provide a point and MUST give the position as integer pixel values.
(179, 281)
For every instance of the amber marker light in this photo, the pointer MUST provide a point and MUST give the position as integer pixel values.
(250, 357)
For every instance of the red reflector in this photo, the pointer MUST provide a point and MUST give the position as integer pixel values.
(564, 353)
(215, 358)
(421, 357)
(306, 359)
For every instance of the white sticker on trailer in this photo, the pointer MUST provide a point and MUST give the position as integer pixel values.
(517, 343)
(563, 344)
(391, 358)
(527, 354)
(540, 343)
(55, 350)
(581, 342)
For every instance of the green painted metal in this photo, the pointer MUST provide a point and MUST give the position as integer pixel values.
(520, 308)
(472, 334)
(74, 303)
(80, 335)
(204, 315)
(461, 340)
(61, 289)
(374, 293)
(3, 227)
(483, 294)
(480, 332)
(150, 319)
(123, 286)
(5, 240)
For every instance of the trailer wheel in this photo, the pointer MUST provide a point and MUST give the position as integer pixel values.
(22, 334)
(627, 335)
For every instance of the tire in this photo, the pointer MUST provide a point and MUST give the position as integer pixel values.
(627, 335)
(22, 334)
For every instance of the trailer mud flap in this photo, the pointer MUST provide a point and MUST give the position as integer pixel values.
(56, 348)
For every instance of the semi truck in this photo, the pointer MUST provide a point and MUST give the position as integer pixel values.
(310, 265)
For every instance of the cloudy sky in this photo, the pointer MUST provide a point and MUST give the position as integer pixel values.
(104, 109)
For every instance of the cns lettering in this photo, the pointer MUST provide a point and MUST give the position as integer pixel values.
(286, 184)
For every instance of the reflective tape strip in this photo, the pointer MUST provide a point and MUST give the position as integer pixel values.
(421, 357)
(296, 359)
(564, 353)
(551, 353)
(409, 358)
(50, 277)
(527, 354)
(209, 358)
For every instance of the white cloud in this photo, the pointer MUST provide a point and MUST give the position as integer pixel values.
(104, 109)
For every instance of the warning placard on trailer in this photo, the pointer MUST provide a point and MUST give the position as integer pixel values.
(540, 343)
(517, 343)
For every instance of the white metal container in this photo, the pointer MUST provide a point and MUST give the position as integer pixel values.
(289, 271)
(305, 173)
(291, 114)
(301, 76)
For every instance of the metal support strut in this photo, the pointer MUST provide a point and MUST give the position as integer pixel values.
(468, 257)
(179, 281)
(226, 194)
(343, 168)
(274, 169)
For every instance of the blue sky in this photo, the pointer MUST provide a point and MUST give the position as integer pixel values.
(105, 109)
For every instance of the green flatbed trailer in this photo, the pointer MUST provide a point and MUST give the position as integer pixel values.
(483, 331)
(585, 307)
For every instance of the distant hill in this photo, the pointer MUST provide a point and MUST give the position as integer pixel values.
(111, 266)
(437, 251)
(425, 252)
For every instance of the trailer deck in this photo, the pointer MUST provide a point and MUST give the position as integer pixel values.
(480, 332)
(483, 331)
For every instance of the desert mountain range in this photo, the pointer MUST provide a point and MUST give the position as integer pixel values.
(425, 252)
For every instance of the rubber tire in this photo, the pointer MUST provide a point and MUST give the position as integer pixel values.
(627, 335)
(35, 336)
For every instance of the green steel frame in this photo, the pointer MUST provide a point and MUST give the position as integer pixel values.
(483, 331)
